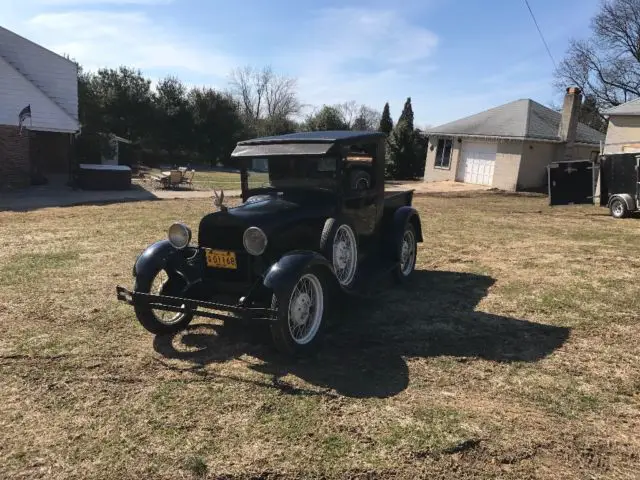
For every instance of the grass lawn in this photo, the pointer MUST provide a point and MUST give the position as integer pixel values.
(514, 353)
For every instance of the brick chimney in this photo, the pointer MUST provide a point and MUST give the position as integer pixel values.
(569, 122)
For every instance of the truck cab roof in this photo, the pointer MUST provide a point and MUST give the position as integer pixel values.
(304, 143)
(332, 136)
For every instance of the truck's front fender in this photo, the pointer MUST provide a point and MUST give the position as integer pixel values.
(286, 271)
(163, 255)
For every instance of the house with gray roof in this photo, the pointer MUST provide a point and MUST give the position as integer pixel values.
(623, 131)
(38, 111)
(509, 147)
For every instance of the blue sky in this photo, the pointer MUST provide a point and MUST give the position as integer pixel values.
(453, 57)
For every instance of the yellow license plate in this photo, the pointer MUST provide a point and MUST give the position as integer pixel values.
(221, 259)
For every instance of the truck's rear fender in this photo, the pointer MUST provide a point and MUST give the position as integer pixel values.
(164, 256)
(626, 198)
(401, 217)
(286, 271)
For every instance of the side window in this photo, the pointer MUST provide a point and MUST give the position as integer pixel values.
(443, 153)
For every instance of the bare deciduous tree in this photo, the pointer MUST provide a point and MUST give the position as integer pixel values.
(607, 65)
(358, 117)
(348, 111)
(263, 94)
(367, 119)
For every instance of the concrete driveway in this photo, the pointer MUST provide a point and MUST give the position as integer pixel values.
(57, 194)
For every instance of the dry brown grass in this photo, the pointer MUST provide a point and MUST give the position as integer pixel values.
(514, 354)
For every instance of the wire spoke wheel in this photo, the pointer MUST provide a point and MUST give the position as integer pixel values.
(345, 255)
(305, 310)
(408, 253)
(158, 287)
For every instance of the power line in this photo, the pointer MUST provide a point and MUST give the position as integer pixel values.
(540, 32)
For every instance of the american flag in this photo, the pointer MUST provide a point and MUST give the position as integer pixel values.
(22, 116)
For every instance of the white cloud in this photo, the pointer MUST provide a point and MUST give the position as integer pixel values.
(109, 39)
(373, 57)
(382, 37)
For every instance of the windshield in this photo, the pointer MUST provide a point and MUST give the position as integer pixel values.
(295, 171)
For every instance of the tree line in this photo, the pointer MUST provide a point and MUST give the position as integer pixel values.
(170, 122)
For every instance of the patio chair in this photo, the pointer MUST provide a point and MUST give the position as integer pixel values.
(175, 178)
(187, 178)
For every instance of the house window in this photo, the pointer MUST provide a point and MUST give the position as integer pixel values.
(443, 153)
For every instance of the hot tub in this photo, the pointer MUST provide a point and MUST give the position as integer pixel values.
(104, 177)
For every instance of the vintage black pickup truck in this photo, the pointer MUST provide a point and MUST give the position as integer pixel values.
(320, 225)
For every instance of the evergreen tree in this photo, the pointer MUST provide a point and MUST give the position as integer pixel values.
(407, 114)
(401, 152)
(386, 123)
(402, 155)
(420, 143)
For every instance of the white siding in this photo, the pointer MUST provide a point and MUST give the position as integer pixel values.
(16, 92)
(623, 134)
(54, 75)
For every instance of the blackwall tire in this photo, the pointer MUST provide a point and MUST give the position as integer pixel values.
(150, 319)
(618, 208)
(339, 244)
(408, 254)
(302, 311)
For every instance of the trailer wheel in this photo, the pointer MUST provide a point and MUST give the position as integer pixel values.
(618, 208)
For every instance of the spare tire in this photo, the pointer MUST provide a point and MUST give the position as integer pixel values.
(339, 244)
(360, 180)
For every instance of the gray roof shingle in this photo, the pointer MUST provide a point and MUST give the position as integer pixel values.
(522, 119)
(629, 108)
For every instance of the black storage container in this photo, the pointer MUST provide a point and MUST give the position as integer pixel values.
(104, 177)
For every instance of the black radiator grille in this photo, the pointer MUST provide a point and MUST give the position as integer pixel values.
(223, 237)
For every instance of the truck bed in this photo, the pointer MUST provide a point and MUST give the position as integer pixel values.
(397, 199)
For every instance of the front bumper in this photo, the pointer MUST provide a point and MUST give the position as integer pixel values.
(202, 308)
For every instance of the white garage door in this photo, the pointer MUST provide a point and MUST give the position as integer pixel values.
(477, 163)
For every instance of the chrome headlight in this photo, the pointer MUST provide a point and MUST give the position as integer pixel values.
(254, 240)
(179, 235)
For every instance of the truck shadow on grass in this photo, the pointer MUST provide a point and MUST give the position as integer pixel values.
(363, 353)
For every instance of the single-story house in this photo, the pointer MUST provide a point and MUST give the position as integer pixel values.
(623, 132)
(509, 147)
(43, 86)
